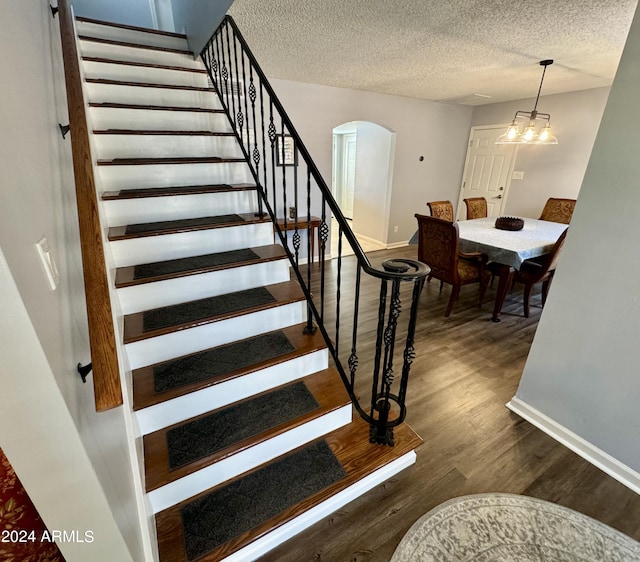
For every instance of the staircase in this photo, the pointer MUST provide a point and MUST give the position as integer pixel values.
(247, 431)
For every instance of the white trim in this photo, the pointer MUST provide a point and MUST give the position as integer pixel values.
(395, 245)
(588, 451)
(285, 532)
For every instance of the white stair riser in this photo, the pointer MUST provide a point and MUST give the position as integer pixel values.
(193, 287)
(112, 71)
(148, 249)
(134, 54)
(165, 146)
(117, 118)
(282, 533)
(130, 35)
(170, 175)
(183, 342)
(179, 409)
(151, 209)
(180, 490)
(113, 93)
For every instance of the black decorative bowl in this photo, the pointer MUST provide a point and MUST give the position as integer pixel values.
(509, 223)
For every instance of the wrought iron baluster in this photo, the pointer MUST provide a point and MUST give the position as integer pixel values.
(296, 234)
(338, 279)
(232, 108)
(323, 233)
(240, 114)
(379, 336)
(272, 138)
(409, 350)
(309, 328)
(264, 145)
(353, 358)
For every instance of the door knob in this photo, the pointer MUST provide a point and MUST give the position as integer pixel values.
(498, 197)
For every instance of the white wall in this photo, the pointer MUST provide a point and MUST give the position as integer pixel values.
(198, 19)
(131, 12)
(375, 153)
(582, 371)
(554, 170)
(437, 131)
(73, 462)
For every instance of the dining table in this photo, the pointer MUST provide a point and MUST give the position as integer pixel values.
(508, 248)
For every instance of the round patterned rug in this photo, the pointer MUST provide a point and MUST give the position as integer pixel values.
(511, 528)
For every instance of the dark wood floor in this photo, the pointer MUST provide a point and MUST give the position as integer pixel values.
(466, 369)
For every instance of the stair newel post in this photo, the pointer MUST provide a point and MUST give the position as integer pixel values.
(309, 328)
(352, 362)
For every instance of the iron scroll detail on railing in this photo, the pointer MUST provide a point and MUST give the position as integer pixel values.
(287, 178)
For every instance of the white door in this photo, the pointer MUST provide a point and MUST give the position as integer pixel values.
(348, 175)
(487, 170)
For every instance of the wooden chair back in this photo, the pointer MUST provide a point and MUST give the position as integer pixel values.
(438, 247)
(476, 207)
(558, 210)
(441, 210)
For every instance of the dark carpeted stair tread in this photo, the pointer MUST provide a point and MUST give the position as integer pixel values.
(183, 448)
(175, 190)
(105, 60)
(131, 27)
(170, 379)
(169, 160)
(181, 225)
(350, 445)
(159, 321)
(170, 269)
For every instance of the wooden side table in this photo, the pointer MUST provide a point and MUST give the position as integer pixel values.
(303, 224)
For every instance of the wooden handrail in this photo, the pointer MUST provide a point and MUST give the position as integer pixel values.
(102, 340)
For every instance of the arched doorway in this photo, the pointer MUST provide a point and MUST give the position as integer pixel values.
(362, 170)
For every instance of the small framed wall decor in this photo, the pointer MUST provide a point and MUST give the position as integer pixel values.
(285, 151)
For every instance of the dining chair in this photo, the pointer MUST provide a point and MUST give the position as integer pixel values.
(558, 210)
(438, 247)
(441, 209)
(539, 270)
(476, 207)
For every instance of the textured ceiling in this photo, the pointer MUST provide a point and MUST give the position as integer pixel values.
(456, 51)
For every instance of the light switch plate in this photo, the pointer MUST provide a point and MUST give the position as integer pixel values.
(517, 176)
(48, 263)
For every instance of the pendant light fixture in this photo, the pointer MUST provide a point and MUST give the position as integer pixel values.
(529, 134)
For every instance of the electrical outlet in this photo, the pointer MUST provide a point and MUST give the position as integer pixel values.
(53, 277)
(395, 229)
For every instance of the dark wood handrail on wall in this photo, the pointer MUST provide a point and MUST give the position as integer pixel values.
(104, 357)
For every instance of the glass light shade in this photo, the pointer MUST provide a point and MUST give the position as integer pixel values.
(546, 137)
(529, 132)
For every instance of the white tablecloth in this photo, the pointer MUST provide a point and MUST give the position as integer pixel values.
(506, 246)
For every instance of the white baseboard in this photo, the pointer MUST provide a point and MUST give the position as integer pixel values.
(397, 245)
(605, 462)
(370, 240)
